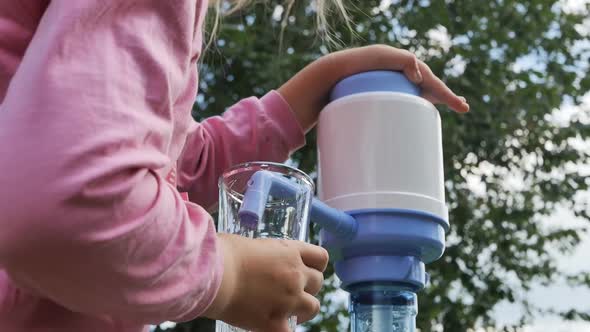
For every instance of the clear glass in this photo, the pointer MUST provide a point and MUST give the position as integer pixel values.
(383, 308)
(283, 217)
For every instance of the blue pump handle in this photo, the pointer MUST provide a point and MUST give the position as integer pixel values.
(265, 183)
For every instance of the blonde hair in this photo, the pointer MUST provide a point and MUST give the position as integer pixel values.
(322, 7)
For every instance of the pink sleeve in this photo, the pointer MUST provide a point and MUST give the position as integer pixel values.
(86, 218)
(262, 129)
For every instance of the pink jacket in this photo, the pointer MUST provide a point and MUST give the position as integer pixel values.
(95, 138)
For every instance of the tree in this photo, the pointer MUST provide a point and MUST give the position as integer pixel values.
(516, 62)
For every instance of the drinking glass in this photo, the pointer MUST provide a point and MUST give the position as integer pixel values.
(284, 217)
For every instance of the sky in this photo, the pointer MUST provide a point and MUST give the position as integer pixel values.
(562, 296)
(557, 296)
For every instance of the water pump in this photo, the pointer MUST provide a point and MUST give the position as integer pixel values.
(381, 200)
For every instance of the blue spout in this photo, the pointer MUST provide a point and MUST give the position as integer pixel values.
(338, 223)
(265, 183)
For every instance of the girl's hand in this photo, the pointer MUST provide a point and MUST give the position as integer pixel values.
(265, 281)
(308, 91)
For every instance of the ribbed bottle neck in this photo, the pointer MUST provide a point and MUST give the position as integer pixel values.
(383, 308)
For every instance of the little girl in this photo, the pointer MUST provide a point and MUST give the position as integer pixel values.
(97, 145)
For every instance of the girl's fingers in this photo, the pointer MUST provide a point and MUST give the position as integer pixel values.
(315, 280)
(307, 309)
(436, 91)
(411, 67)
(419, 73)
(382, 57)
(277, 325)
(313, 256)
(463, 107)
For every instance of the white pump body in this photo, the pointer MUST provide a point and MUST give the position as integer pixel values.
(381, 150)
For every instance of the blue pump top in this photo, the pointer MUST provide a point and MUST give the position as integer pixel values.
(374, 81)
